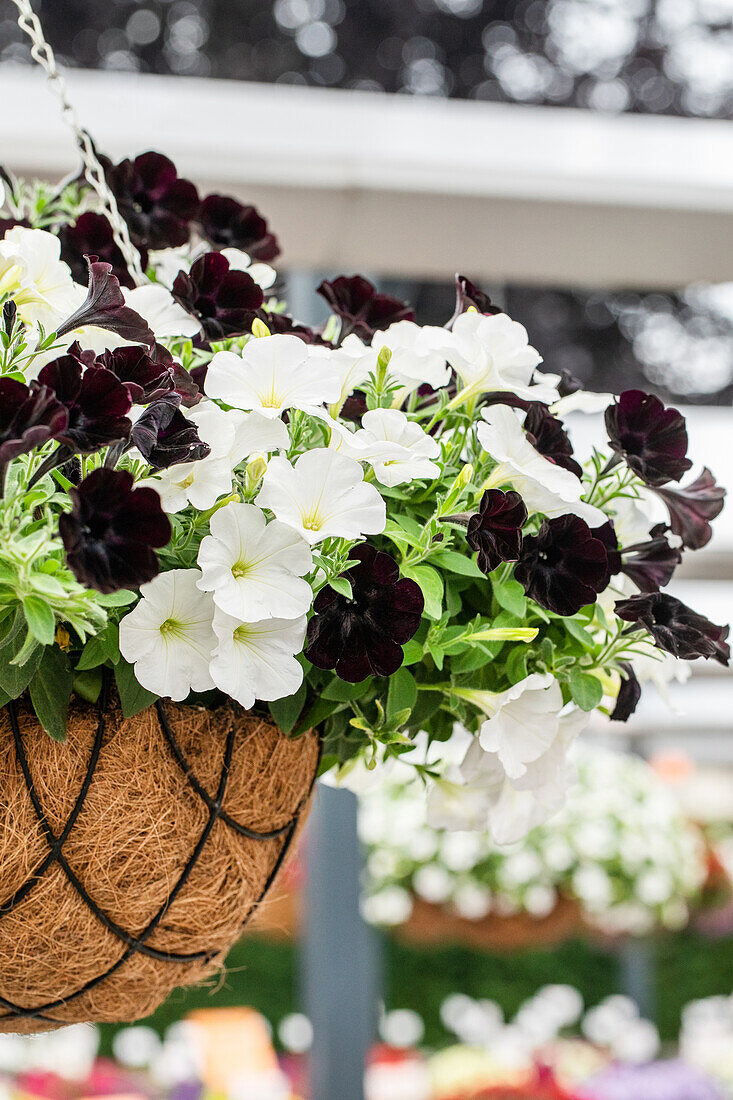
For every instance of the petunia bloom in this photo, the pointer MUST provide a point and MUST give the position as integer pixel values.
(363, 635)
(360, 307)
(91, 235)
(157, 205)
(29, 417)
(224, 300)
(227, 223)
(649, 564)
(548, 436)
(651, 438)
(145, 378)
(105, 307)
(168, 635)
(324, 494)
(418, 355)
(32, 273)
(254, 569)
(628, 696)
(397, 449)
(495, 531)
(470, 296)
(564, 566)
(165, 438)
(692, 508)
(257, 660)
(675, 627)
(96, 401)
(493, 353)
(112, 531)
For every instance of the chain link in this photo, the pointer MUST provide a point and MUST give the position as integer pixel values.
(42, 53)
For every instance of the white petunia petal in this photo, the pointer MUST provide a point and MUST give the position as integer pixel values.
(257, 660)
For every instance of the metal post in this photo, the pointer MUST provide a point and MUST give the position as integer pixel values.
(637, 974)
(339, 964)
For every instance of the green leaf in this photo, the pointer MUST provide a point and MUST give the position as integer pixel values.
(50, 691)
(342, 585)
(401, 693)
(14, 678)
(585, 689)
(510, 595)
(579, 633)
(100, 648)
(455, 563)
(133, 696)
(413, 652)
(340, 691)
(40, 618)
(116, 599)
(431, 585)
(286, 712)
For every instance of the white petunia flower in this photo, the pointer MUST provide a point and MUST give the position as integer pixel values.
(255, 570)
(162, 312)
(323, 494)
(543, 486)
(419, 355)
(257, 660)
(273, 373)
(168, 636)
(353, 362)
(232, 436)
(398, 449)
(168, 262)
(32, 271)
(585, 401)
(494, 353)
(262, 274)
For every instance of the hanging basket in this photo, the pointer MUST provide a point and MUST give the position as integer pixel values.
(132, 856)
(434, 924)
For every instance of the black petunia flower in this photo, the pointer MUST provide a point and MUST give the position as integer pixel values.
(227, 223)
(650, 564)
(164, 437)
(470, 296)
(91, 235)
(564, 566)
(360, 307)
(495, 531)
(283, 323)
(651, 438)
(675, 627)
(628, 696)
(548, 436)
(96, 401)
(112, 531)
(104, 306)
(691, 509)
(145, 379)
(29, 417)
(226, 301)
(363, 636)
(157, 205)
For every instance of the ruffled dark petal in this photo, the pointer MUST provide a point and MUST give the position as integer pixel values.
(281, 323)
(157, 206)
(96, 401)
(651, 565)
(692, 509)
(495, 531)
(676, 628)
(145, 379)
(165, 438)
(363, 636)
(629, 695)
(548, 436)
(360, 307)
(91, 235)
(105, 308)
(470, 296)
(224, 300)
(29, 417)
(651, 438)
(227, 223)
(564, 566)
(112, 531)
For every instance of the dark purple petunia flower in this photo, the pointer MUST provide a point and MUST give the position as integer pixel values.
(651, 438)
(363, 636)
(650, 564)
(226, 301)
(96, 401)
(675, 627)
(548, 436)
(495, 531)
(91, 235)
(29, 417)
(164, 437)
(282, 323)
(564, 566)
(104, 306)
(157, 205)
(470, 296)
(227, 223)
(568, 384)
(628, 696)
(691, 509)
(360, 307)
(112, 531)
(146, 379)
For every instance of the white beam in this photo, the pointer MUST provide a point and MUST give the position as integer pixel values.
(418, 186)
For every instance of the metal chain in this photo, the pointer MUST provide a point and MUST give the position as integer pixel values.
(42, 53)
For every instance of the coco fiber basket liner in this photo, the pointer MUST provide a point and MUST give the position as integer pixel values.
(132, 855)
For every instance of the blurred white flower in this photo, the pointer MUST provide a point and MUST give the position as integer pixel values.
(419, 354)
(255, 569)
(257, 660)
(390, 906)
(493, 353)
(272, 373)
(168, 636)
(323, 494)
